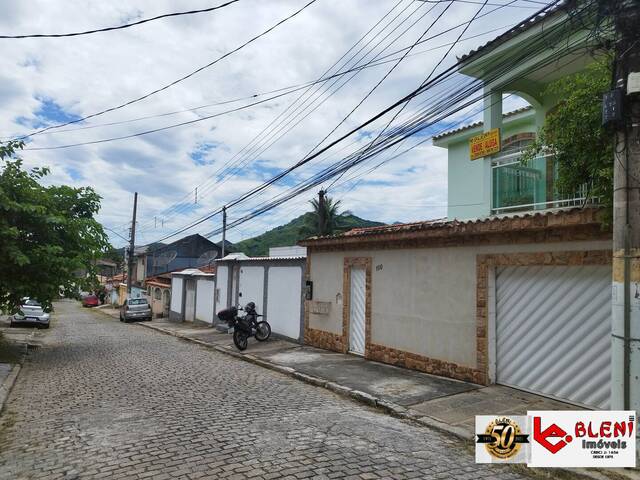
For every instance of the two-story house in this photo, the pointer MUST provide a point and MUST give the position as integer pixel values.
(513, 287)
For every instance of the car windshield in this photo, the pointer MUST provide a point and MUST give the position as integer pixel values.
(32, 303)
(137, 301)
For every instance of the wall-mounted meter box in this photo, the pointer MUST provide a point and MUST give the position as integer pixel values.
(612, 107)
(633, 83)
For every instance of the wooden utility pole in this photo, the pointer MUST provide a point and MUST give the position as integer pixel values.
(322, 214)
(624, 101)
(132, 244)
(224, 229)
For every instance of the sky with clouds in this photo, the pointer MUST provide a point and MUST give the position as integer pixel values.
(50, 81)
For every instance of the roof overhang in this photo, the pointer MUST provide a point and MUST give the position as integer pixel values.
(538, 67)
(552, 225)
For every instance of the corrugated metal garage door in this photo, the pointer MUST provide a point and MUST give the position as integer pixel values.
(553, 328)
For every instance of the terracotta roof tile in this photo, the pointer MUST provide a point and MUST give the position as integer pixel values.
(478, 226)
(480, 123)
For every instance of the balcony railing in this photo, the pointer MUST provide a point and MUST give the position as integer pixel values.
(533, 185)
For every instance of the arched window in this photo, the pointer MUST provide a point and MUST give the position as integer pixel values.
(157, 294)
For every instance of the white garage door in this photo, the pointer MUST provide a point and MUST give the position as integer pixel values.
(284, 300)
(190, 300)
(176, 294)
(553, 327)
(221, 288)
(252, 287)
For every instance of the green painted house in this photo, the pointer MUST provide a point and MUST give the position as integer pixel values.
(501, 183)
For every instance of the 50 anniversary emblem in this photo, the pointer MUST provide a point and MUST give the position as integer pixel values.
(502, 438)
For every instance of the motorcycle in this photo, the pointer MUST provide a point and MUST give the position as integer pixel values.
(246, 326)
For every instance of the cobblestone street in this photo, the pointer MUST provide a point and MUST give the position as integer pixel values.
(103, 399)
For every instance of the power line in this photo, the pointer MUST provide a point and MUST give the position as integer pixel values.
(294, 88)
(161, 129)
(119, 27)
(401, 133)
(406, 49)
(175, 82)
(268, 206)
(240, 158)
(425, 81)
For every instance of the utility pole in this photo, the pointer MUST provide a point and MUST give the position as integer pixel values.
(322, 211)
(224, 229)
(132, 243)
(623, 107)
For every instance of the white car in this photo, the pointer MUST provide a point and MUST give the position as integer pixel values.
(31, 312)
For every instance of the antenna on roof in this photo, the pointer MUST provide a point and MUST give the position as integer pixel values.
(206, 258)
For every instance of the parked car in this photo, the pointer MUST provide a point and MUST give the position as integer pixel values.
(90, 301)
(135, 309)
(31, 311)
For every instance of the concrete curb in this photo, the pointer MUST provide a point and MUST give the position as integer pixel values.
(7, 385)
(389, 408)
(362, 397)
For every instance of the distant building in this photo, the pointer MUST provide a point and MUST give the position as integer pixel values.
(189, 252)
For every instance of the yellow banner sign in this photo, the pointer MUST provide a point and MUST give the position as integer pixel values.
(485, 144)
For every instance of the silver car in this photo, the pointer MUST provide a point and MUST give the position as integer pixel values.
(135, 309)
(31, 311)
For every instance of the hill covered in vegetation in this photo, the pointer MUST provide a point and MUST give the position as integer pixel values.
(292, 232)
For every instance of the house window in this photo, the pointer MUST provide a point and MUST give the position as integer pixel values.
(520, 186)
(157, 294)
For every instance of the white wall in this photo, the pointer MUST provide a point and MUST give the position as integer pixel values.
(205, 291)
(251, 286)
(176, 294)
(222, 279)
(291, 251)
(423, 300)
(284, 297)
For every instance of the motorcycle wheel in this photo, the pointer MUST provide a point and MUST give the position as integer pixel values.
(240, 340)
(263, 331)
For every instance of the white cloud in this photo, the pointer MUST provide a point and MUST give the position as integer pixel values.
(87, 74)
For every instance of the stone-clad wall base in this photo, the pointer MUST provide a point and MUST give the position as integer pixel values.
(389, 355)
(324, 340)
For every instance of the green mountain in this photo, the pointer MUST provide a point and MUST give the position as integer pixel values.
(289, 234)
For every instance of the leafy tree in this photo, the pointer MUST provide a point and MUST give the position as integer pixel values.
(49, 238)
(573, 131)
(332, 218)
(116, 255)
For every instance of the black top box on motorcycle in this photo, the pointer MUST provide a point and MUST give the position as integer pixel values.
(228, 314)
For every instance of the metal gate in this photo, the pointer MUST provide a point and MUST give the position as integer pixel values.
(357, 306)
(553, 326)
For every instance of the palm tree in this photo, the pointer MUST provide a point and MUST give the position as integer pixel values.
(331, 222)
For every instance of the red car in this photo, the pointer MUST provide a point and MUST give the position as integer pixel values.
(90, 301)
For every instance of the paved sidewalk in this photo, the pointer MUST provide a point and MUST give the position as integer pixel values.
(439, 402)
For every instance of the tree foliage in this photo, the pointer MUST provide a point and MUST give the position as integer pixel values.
(332, 218)
(573, 131)
(49, 238)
